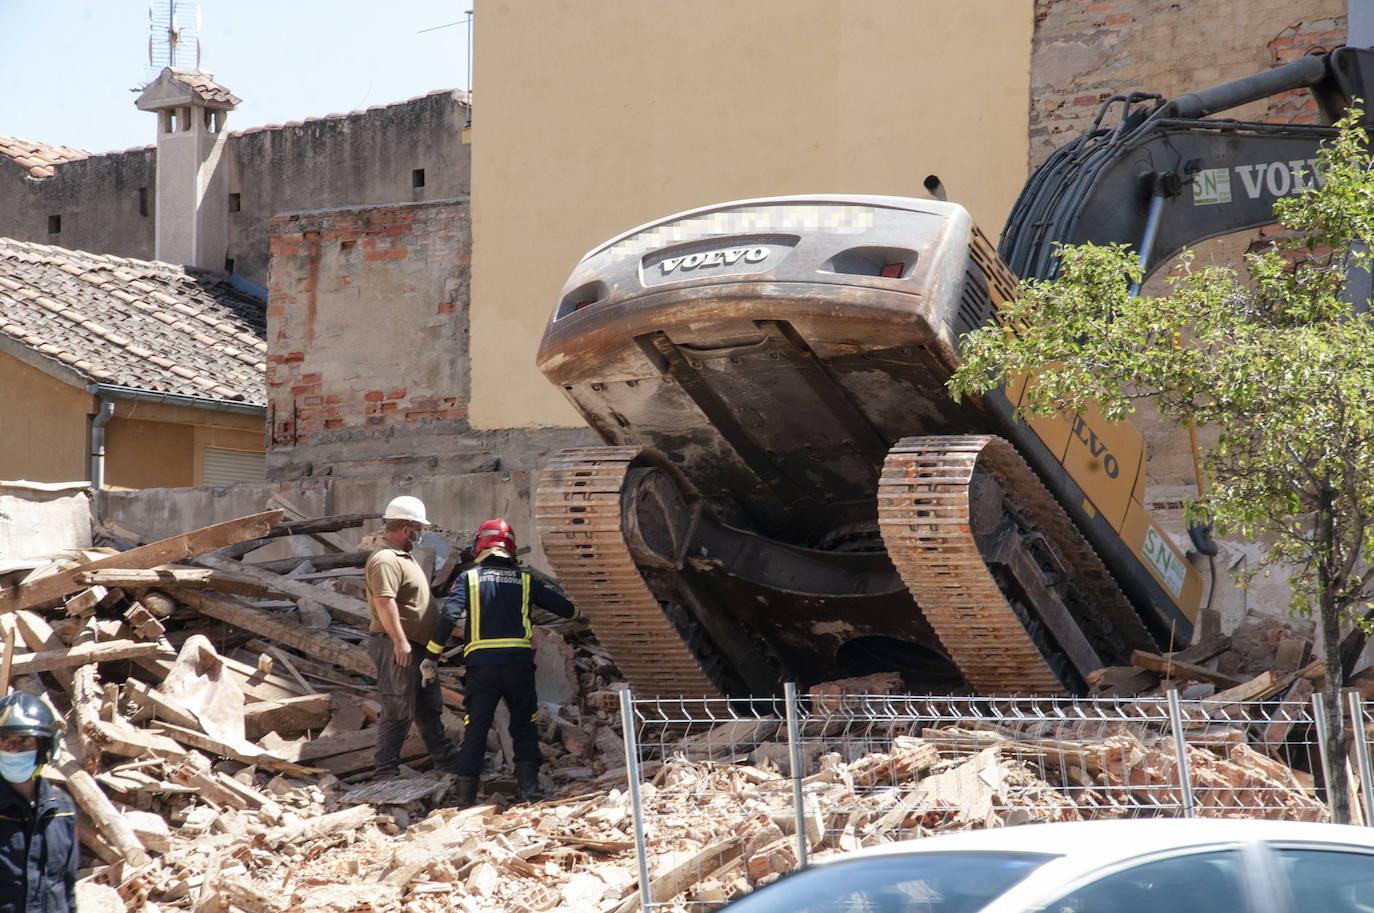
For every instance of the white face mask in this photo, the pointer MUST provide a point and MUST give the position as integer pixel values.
(18, 766)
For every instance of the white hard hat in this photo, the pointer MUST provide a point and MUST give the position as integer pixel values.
(406, 508)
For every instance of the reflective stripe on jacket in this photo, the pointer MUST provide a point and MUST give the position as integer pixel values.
(496, 597)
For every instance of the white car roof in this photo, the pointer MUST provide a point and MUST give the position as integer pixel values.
(1086, 850)
(1100, 842)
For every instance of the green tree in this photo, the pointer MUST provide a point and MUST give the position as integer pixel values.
(1280, 368)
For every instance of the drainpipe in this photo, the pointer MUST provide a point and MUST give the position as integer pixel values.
(102, 418)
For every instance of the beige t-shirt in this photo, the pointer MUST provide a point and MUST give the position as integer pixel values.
(392, 572)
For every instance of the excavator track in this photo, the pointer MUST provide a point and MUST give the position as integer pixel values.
(923, 515)
(578, 511)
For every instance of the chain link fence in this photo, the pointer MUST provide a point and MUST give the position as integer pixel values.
(729, 794)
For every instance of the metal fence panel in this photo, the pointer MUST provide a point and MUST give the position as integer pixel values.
(719, 800)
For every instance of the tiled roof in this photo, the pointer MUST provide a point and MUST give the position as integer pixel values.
(37, 158)
(150, 326)
(209, 91)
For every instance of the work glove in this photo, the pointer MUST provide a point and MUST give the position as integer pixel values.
(428, 670)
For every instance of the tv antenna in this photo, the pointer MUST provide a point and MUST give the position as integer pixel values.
(467, 22)
(173, 36)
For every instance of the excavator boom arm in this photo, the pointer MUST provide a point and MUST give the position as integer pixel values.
(1204, 177)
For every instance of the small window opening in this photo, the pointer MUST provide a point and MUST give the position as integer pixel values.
(54, 225)
(229, 265)
(143, 201)
(417, 177)
(234, 202)
(165, 121)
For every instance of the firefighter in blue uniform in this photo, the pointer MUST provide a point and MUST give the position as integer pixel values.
(39, 853)
(496, 596)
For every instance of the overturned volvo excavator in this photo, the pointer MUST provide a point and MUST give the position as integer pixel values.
(788, 491)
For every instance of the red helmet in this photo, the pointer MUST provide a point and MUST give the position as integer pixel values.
(494, 537)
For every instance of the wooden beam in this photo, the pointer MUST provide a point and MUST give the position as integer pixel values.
(297, 714)
(247, 754)
(413, 751)
(146, 577)
(344, 608)
(308, 641)
(87, 699)
(319, 562)
(39, 636)
(149, 703)
(108, 821)
(11, 635)
(144, 623)
(297, 528)
(1261, 685)
(327, 746)
(1172, 668)
(176, 548)
(82, 654)
(85, 602)
(316, 670)
(330, 540)
(135, 742)
(284, 659)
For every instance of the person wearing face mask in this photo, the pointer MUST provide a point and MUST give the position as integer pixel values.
(39, 852)
(402, 617)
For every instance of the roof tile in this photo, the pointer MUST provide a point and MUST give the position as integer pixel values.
(37, 158)
(86, 311)
(205, 86)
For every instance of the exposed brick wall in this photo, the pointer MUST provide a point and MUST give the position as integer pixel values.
(1086, 51)
(367, 321)
(1313, 36)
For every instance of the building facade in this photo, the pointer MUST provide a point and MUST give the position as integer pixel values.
(204, 195)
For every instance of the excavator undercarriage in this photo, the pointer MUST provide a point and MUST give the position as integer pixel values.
(790, 494)
(1010, 597)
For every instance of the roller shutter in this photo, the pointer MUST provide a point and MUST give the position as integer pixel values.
(225, 467)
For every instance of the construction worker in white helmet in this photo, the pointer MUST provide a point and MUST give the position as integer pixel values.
(402, 618)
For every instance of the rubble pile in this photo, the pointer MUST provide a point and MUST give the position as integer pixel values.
(1263, 658)
(220, 737)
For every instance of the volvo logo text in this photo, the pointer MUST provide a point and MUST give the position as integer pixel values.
(728, 257)
(1274, 179)
(1096, 447)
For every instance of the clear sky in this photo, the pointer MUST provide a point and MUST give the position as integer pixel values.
(67, 66)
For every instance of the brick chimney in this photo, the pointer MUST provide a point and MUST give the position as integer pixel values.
(192, 210)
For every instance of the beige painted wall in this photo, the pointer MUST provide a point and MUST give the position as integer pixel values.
(44, 425)
(148, 445)
(601, 115)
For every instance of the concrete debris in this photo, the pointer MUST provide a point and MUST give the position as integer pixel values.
(220, 742)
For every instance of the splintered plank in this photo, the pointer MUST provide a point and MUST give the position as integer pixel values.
(342, 607)
(308, 641)
(164, 551)
(1172, 668)
(80, 655)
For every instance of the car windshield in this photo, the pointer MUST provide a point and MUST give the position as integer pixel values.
(912, 883)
